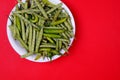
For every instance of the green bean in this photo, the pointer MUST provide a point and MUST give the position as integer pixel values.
(49, 55)
(68, 25)
(66, 50)
(26, 55)
(11, 27)
(22, 42)
(42, 4)
(34, 19)
(27, 33)
(14, 32)
(60, 44)
(50, 40)
(56, 15)
(40, 17)
(64, 35)
(48, 3)
(57, 45)
(32, 4)
(30, 38)
(38, 56)
(62, 15)
(40, 7)
(58, 21)
(66, 45)
(52, 35)
(69, 21)
(27, 11)
(39, 40)
(47, 23)
(64, 40)
(18, 24)
(54, 52)
(41, 22)
(17, 32)
(54, 8)
(67, 34)
(16, 8)
(44, 54)
(26, 5)
(33, 40)
(21, 6)
(54, 28)
(44, 1)
(44, 41)
(45, 49)
(53, 31)
(23, 18)
(46, 9)
(66, 13)
(23, 30)
(37, 35)
(47, 46)
(63, 26)
(71, 34)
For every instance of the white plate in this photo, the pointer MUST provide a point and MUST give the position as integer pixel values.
(20, 50)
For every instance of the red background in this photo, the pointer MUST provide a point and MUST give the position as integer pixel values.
(94, 55)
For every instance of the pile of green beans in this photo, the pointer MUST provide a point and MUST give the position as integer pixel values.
(41, 27)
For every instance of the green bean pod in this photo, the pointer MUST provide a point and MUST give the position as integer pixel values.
(40, 7)
(22, 42)
(50, 40)
(30, 38)
(45, 49)
(52, 35)
(60, 44)
(57, 45)
(34, 19)
(58, 22)
(53, 28)
(56, 15)
(54, 52)
(64, 35)
(38, 56)
(53, 31)
(39, 40)
(33, 40)
(26, 55)
(68, 26)
(23, 30)
(47, 46)
(23, 18)
(54, 8)
(27, 34)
